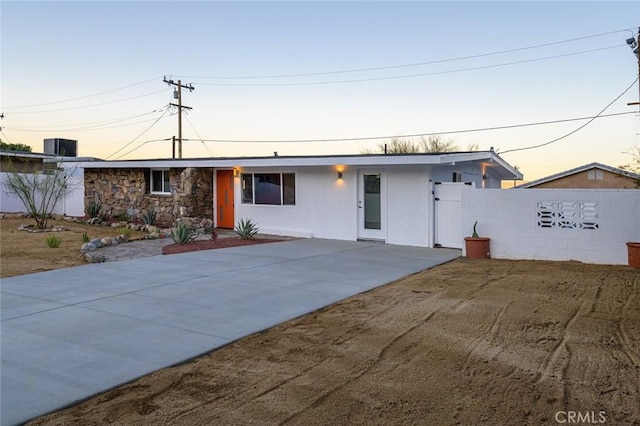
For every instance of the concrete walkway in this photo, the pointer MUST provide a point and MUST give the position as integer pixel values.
(72, 333)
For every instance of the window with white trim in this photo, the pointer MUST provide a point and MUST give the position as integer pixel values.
(160, 181)
(275, 189)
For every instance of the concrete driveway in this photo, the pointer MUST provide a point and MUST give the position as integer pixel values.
(72, 333)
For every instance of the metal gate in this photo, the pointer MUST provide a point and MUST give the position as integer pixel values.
(448, 213)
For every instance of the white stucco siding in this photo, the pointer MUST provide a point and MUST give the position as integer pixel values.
(408, 206)
(325, 206)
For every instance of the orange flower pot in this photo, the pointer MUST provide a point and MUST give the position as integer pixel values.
(633, 250)
(477, 248)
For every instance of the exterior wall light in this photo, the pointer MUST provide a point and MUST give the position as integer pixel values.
(236, 172)
(339, 174)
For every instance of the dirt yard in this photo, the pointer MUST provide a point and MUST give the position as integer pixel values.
(469, 342)
(22, 252)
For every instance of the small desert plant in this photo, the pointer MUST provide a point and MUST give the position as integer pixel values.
(85, 237)
(183, 234)
(93, 209)
(214, 235)
(475, 234)
(125, 231)
(246, 229)
(53, 241)
(149, 217)
(124, 217)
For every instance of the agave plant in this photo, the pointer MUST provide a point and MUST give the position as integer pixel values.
(183, 234)
(149, 217)
(93, 209)
(246, 229)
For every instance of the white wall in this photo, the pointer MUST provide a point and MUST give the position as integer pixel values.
(509, 218)
(409, 206)
(325, 206)
(328, 208)
(72, 205)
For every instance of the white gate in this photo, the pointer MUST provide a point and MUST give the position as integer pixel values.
(448, 213)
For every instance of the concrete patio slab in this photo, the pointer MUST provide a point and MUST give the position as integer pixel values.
(72, 333)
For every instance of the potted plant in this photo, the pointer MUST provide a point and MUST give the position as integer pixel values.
(633, 252)
(477, 247)
(633, 247)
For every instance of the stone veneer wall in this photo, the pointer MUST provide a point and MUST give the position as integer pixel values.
(126, 190)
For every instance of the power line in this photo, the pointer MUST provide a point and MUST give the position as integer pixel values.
(198, 134)
(408, 65)
(409, 75)
(137, 137)
(83, 97)
(99, 125)
(449, 132)
(579, 128)
(86, 106)
(143, 144)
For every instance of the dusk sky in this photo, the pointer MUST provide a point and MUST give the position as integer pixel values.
(93, 71)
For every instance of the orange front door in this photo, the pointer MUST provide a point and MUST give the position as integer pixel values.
(224, 199)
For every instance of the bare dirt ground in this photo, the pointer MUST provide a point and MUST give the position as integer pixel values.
(470, 342)
(22, 252)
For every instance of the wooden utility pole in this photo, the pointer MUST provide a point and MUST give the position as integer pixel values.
(178, 95)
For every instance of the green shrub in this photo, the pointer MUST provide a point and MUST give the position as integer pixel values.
(246, 229)
(53, 241)
(93, 209)
(183, 234)
(85, 237)
(149, 217)
(124, 217)
(125, 231)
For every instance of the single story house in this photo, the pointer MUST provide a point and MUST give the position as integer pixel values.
(394, 198)
(588, 176)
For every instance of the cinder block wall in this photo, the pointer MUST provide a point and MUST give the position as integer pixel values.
(555, 224)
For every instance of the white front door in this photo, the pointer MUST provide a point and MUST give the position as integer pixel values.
(372, 205)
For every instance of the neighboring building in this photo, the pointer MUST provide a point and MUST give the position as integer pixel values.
(388, 198)
(589, 176)
(23, 162)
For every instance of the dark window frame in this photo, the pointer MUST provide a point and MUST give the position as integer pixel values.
(166, 185)
(259, 189)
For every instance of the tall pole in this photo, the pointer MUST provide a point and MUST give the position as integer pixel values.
(179, 119)
(179, 86)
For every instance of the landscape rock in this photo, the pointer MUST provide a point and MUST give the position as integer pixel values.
(106, 241)
(92, 257)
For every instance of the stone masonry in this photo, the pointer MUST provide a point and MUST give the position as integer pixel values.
(127, 191)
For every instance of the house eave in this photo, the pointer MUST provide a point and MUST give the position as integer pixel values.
(375, 160)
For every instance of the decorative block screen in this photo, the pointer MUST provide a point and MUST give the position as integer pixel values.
(567, 214)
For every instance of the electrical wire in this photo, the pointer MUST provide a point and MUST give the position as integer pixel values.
(137, 137)
(579, 128)
(5, 136)
(411, 64)
(366, 138)
(408, 75)
(83, 97)
(101, 125)
(198, 134)
(143, 144)
(86, 106)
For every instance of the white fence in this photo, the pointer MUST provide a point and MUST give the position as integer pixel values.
(71, 205)
(588, 225)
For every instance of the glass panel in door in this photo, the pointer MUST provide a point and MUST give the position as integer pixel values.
(372, 205)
